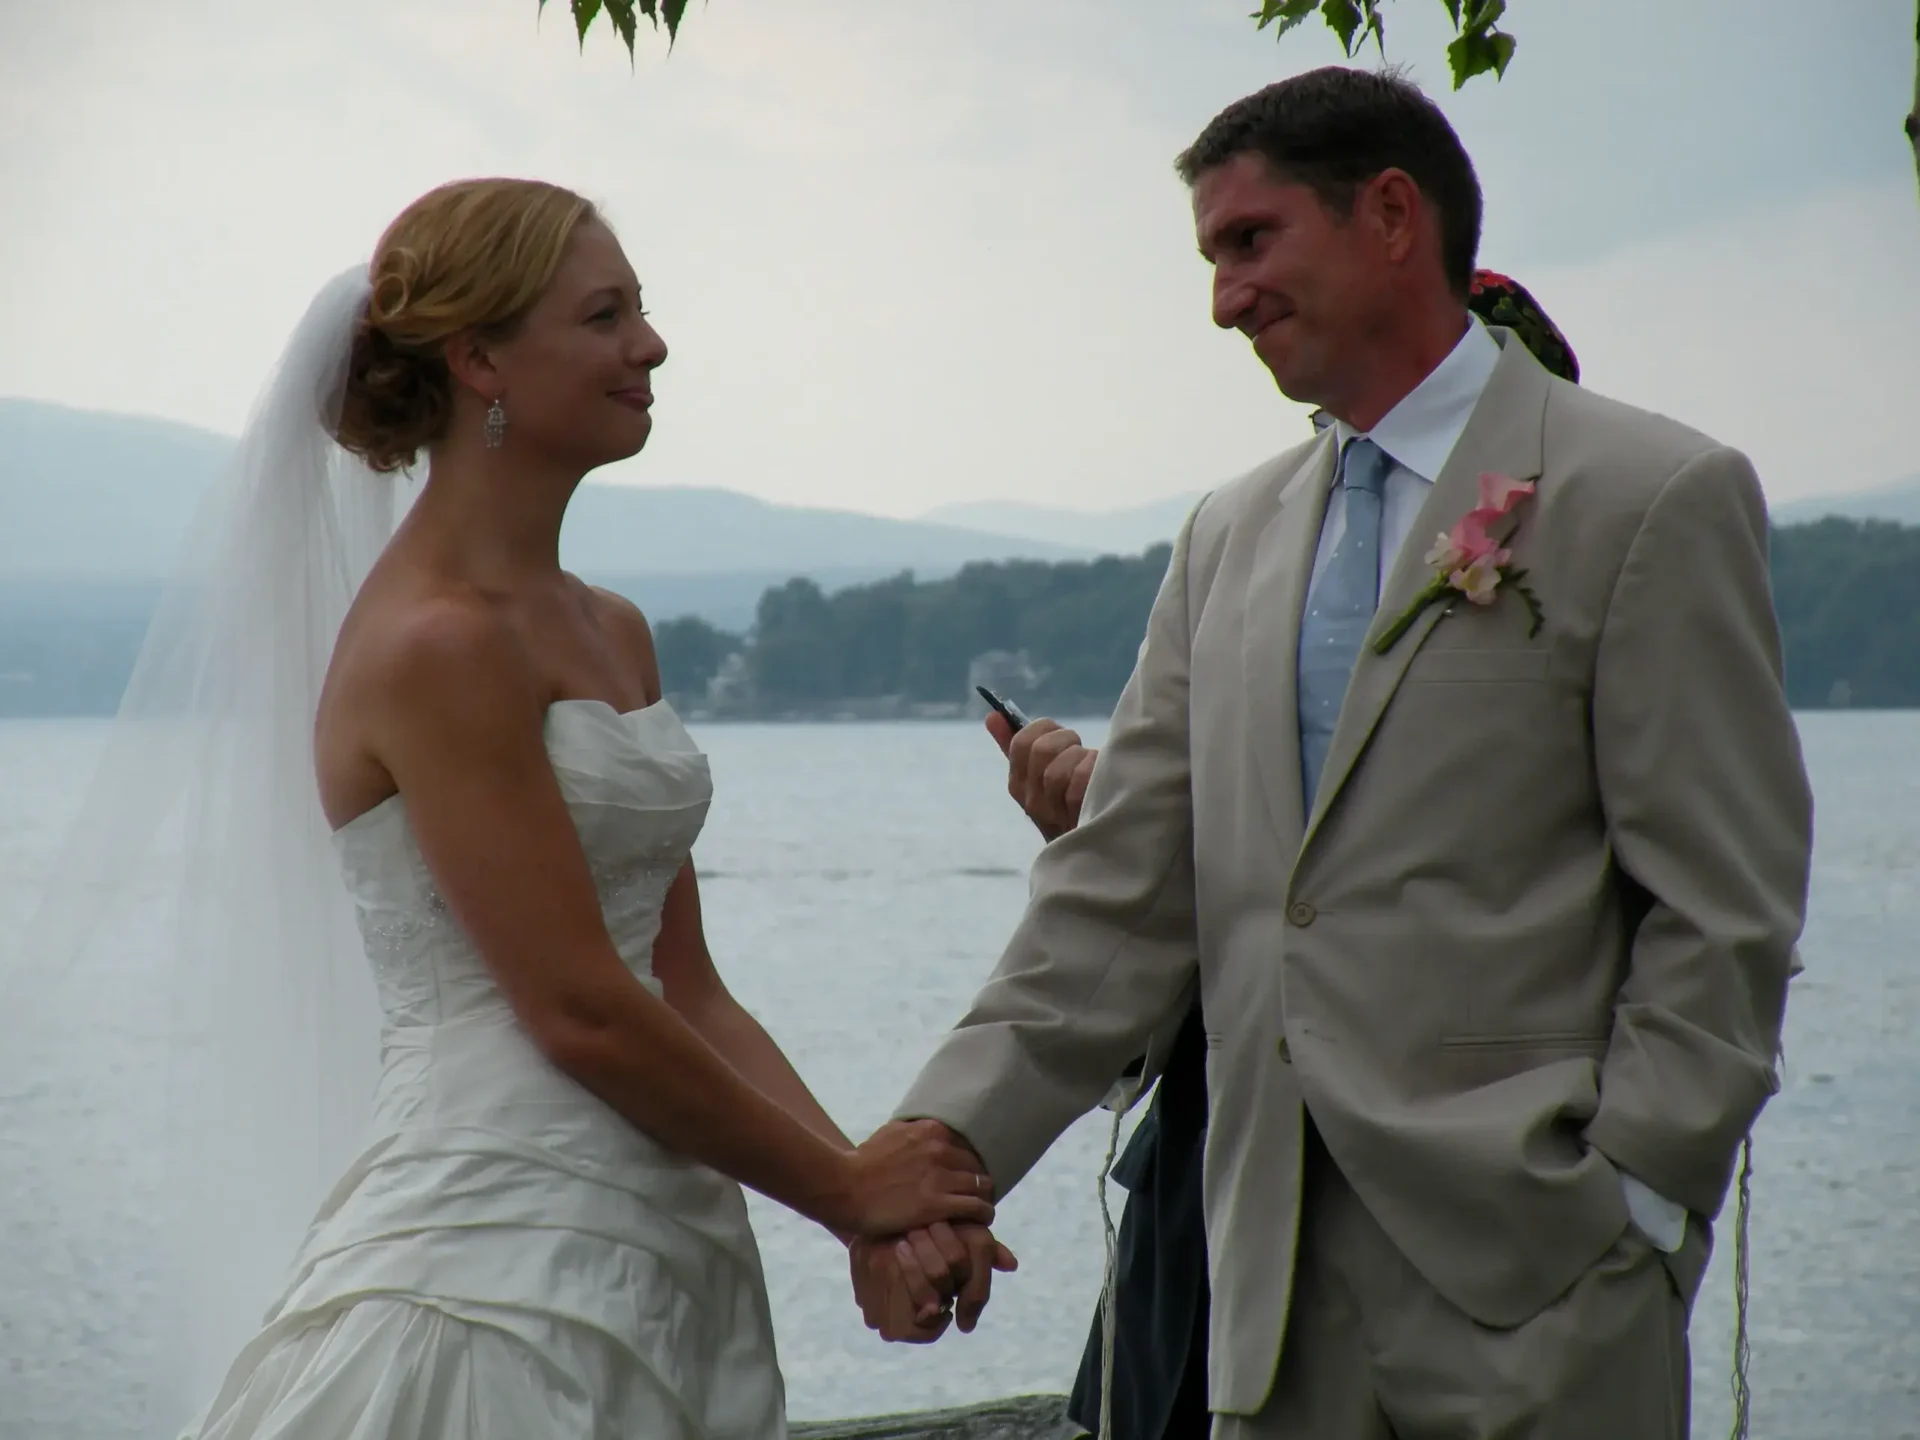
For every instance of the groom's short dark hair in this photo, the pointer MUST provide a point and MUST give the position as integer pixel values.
(1334, 129)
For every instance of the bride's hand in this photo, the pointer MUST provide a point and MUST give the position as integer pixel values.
(911, 1174)
(895, 1296)
(911, 1288)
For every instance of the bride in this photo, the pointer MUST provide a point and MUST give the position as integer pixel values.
(541, 1232)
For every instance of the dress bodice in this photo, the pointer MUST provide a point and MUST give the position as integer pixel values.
(638, 790)
(507, 1255)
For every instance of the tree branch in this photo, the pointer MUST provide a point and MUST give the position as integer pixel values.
(1913, 116)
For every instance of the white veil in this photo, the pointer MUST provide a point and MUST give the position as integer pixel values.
(261, 1027)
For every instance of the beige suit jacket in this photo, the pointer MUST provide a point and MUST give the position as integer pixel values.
(1537, 926)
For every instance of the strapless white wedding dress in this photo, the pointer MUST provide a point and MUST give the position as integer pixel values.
(508, 1259)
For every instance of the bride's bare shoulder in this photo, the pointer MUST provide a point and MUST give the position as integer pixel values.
(410, 657)
(435, 646)
(406, 671)
(624, 623)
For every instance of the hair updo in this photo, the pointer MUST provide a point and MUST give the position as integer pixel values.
(473, 255)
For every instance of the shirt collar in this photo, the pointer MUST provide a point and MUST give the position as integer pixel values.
(1420, 432)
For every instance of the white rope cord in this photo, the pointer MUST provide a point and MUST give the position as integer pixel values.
(1742, 1270)
(1108, 1283)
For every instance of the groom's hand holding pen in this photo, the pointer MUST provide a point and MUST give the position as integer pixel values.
(1047, 771)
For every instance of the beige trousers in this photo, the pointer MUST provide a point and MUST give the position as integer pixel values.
(1373, 1353)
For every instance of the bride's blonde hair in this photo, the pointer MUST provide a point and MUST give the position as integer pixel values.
(473, 255)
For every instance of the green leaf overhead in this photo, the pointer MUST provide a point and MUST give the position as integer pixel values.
(1480, 46)
(1346, 18)
(620, 13)
(1283, 15)
(584, 12)
(1472, 55)
(625, 16)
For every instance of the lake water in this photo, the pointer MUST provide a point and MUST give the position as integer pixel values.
(860, 881)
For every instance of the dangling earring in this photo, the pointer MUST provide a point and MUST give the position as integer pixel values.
(494, 431)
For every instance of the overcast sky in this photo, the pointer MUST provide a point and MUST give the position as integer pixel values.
(909, 252)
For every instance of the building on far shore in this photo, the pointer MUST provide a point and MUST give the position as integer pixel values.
(731, 686)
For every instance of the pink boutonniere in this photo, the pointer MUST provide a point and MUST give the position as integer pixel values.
(1469, 561)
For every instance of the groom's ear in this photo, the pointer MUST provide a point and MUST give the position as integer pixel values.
(1394, 212)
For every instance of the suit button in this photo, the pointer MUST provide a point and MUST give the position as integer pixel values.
(1300, 913)
(1286, 1051)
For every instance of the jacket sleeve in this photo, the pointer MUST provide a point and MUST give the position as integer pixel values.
(1709, 812)
(1107, 946)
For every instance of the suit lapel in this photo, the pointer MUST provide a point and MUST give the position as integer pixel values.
(1276, 596)
(1504, 435)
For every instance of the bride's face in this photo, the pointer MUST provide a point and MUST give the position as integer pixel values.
(577, 376)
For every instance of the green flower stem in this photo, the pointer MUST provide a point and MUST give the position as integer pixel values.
(1436, 587)
(1536, 617)
(1441, 586)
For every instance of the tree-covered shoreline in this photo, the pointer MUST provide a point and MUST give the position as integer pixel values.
(1847, 593)
(1061, 637)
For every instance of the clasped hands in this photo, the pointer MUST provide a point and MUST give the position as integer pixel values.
(911, 1286)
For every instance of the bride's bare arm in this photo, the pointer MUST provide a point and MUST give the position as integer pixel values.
(902, 1282)
(459, 723)
(922, 1268)
(681, 961)
(685, 969)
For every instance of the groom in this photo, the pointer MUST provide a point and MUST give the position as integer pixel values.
(1493, 908)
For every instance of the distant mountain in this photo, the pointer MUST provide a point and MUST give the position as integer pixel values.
(1115, 532)
(87, 495)
(94, 506)
(674, 530)
(1898, 502)
(1127, 532)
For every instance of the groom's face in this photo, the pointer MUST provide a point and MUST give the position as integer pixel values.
(1293, 276)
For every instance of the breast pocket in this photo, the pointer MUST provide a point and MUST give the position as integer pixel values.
(1446, 665)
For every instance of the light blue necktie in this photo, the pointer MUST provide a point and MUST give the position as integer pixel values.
(1340, 609)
